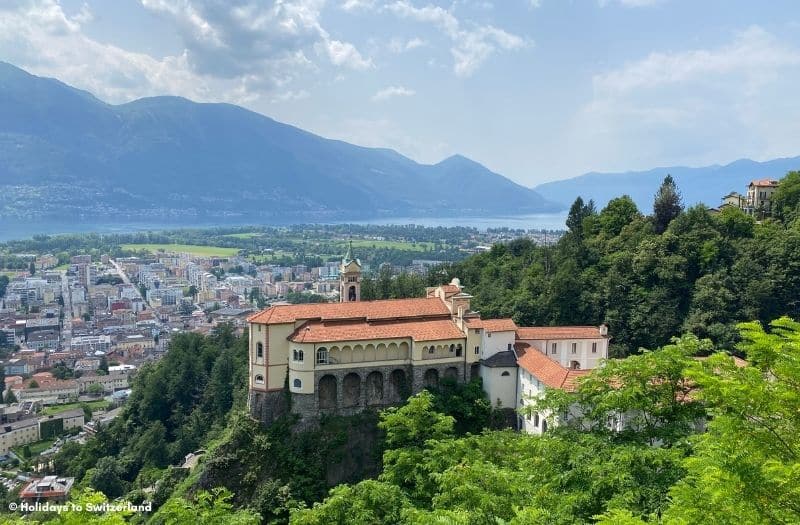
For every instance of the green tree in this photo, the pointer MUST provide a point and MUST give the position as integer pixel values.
(33, 384)
(107, 477)
(207, 508)
(103, 366)
(667, 204)
(617, 214)
(95, 389)
(10, 397)
(785, 200)
(746, 468)
(647, 398)
(32, 268)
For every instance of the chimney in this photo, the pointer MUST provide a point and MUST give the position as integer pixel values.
(604, 330)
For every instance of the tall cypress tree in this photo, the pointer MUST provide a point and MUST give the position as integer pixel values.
(667, 204)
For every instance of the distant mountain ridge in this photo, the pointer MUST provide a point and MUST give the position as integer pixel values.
(65, 153)
(705, 185)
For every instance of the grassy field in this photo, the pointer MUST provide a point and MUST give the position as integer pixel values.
(248, 235)
(397, 245)
(36, 448)
(207, 251)
(100, 404)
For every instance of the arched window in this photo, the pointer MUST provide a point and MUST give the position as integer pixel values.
(452, 348)
(575, 365)
(536, 419)
(431, 350)
(260, 350)
(322, 356)
(544, 427)
(505, 374)
(259, 379)
(300, 356)
(297, 383)
(458, 351)
(297, 355)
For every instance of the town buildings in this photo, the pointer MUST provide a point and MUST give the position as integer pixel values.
(758, 198)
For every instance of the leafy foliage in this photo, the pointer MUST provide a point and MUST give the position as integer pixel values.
(702, 274)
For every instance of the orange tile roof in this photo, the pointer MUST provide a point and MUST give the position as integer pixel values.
(332, 331)
(559, 332)
(386, 309)
(499, 325)
(764, 182)
(546, 370)
(450, 289)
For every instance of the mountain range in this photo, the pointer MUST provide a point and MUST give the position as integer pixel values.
(706, 185)
(65, 153)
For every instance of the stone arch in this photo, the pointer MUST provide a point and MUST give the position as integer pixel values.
(398, 386)
(369, 352)
(451, 373)
(474, 371)
(351, 390)
(392, 351)
(404, 350)
(380, 352)
(431, 378)
(327, 392)
(375, 388)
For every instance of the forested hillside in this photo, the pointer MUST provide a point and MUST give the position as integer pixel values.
(648, 277)
(711, 440)
(742, 469)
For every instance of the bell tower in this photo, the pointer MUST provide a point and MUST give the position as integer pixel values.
(350, 277)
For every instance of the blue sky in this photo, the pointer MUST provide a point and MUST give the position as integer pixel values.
(534, 89)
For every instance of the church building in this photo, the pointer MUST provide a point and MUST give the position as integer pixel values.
(343, 357)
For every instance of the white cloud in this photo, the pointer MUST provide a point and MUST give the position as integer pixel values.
(356, 5)
(753, 54)
(236, 52)
(391, 92)
(471, 46)
(345, 54)
(694, 107)
(398, 45)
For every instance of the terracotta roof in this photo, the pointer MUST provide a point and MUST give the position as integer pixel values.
(545, 369)
(559, 332)
(370, 310)
(450, 289)
(474, 322)
(764, 182)
(332, 331)
(499, 325)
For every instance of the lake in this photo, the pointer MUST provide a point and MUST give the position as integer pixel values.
(24, 230)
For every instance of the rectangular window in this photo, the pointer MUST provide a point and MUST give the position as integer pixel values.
(509, 346)
(553, 348)
(594, 348)
(477, 350)
(574, 348)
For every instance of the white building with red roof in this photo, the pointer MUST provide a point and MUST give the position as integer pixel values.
(347, 356)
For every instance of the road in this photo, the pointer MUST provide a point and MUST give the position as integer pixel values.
(66, 328)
